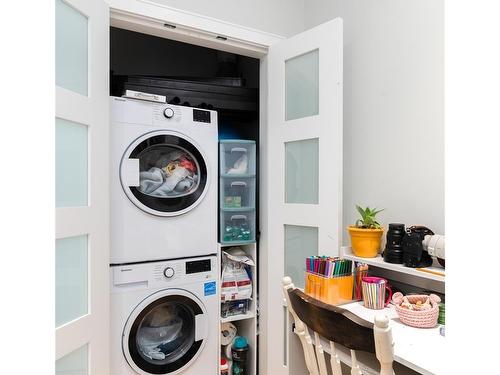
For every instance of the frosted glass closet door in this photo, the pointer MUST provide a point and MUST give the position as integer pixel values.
(71, 48)
(304, 179)
(302, 86)
(81, 253)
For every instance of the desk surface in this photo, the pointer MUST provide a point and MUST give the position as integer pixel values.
(420, 349)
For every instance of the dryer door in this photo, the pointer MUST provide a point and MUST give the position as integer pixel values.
(164, 173)
(165, 333)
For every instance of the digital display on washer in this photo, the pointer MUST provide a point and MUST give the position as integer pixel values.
(197, 266)
(201, 116)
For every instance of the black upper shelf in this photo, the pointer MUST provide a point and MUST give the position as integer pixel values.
(223, 94)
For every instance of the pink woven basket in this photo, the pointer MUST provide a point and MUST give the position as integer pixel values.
(417, 318)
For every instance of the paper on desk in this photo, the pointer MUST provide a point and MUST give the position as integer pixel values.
(369, 315)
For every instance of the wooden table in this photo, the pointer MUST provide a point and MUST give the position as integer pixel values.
(419, 349)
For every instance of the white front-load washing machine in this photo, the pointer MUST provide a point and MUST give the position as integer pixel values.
(163, 181)
(164, 317)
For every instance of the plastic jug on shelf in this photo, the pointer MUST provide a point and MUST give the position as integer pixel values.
(239, 352)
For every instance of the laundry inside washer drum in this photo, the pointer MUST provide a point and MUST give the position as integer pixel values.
(166, 333)
(168, 171)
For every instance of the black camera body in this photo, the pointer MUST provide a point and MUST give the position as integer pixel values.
(414, 254)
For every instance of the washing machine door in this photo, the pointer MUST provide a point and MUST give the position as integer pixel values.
(165, 333)
(164, 173)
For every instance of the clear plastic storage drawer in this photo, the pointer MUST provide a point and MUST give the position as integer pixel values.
(237, 228)
(237, 193)
(237, 158)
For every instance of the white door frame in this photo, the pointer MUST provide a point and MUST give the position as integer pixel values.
(147, 17)
(91, 219)
(151, 18)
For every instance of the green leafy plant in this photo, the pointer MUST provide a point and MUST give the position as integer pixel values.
(367, 220)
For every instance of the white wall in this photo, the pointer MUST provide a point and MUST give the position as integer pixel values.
(393, 106)
(393, 95)
(282, 17)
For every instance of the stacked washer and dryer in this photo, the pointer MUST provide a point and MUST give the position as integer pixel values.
(164, 271)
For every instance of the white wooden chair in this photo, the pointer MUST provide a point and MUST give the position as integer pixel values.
(338, 326)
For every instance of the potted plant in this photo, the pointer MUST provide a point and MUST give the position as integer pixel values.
(366, 234)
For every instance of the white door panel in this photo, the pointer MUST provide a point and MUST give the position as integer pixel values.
(82, 189)
(304, 169)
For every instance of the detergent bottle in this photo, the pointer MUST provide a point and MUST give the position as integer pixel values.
(239, 353)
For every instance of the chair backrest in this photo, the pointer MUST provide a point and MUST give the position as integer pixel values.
(338, 326)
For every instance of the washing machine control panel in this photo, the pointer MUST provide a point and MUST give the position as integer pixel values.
(171, 273)
(198, 266)
(185, 269)
(168, 272)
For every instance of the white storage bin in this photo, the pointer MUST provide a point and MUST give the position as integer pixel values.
(237, 193)
(237, 227)
(237, 158)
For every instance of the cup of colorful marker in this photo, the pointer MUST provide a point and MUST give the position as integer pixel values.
(329, 279)
(374, 292)
(360, 271)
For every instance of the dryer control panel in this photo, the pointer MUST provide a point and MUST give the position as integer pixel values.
(163, 273)
(174, 117)
(200, 115)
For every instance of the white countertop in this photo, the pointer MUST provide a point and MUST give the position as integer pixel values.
(420, 349)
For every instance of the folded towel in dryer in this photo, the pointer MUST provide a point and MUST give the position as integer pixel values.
(151, 180)
(176, 176)
(156, 182)
(173, 174)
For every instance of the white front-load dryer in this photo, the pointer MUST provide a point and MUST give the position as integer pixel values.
(164, 317)
(163, 181)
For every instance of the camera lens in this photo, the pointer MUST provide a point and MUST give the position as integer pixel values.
(393, 252)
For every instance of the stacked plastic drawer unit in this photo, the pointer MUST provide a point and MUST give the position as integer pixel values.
(237, 191)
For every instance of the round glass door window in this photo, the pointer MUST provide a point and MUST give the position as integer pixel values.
(172, 173)
(161, 339)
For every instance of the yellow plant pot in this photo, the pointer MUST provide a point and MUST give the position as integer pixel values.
(365, 243)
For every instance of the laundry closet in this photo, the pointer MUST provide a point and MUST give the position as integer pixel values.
(275, 118)
(191, 82)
